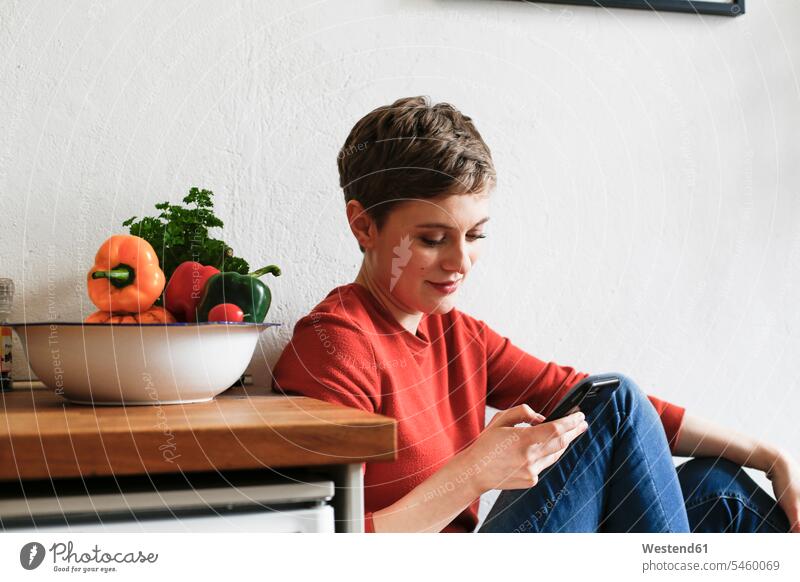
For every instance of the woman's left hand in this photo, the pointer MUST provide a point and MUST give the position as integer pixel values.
(785, 477)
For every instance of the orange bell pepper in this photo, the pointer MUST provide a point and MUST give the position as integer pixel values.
(153, 315)
(125, 276)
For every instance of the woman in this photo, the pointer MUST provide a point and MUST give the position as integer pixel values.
(417, 180)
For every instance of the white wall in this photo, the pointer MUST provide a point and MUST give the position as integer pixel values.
(647, 214)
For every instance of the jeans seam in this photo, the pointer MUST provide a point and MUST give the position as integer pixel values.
(735, 497)
(652, 481)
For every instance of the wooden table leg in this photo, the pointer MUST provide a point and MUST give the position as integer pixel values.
(348, 501)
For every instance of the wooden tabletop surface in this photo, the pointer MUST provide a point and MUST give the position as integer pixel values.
(42, 435)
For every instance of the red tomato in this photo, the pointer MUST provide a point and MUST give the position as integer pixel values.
(226, 312)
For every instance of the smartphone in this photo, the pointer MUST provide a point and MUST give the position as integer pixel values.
(586, 388)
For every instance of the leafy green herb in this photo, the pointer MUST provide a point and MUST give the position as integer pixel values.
(180, 234)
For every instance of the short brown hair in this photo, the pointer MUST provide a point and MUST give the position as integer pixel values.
(412, 150)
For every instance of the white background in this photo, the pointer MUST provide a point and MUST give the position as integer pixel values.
(647, 217)
(398, 557)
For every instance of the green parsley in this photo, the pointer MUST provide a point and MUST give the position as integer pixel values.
(180, 233)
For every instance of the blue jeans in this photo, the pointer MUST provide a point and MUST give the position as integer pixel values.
(618, 476)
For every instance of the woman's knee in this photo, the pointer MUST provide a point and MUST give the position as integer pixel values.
(704, 477)
(720, 496)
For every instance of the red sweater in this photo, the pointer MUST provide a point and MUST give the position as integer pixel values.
(350, 350)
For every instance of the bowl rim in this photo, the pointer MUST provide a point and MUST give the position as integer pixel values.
(174, 324)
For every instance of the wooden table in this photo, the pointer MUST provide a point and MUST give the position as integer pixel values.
(43, 437)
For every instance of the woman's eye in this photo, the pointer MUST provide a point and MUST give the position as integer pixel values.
(437, 242)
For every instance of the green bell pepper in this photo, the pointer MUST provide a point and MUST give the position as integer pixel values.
(251, 295)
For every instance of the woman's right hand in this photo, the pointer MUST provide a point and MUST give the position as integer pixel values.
(505, 456)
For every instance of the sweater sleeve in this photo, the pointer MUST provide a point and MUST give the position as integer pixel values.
(329, 359)
(516, 377)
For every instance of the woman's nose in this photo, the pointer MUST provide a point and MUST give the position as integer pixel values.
(458, 259)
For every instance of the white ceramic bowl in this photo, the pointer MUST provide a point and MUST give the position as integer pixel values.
(137, 364)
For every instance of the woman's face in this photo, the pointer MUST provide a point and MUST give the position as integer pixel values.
(425, 242)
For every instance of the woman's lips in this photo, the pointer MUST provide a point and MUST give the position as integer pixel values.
(446, 289)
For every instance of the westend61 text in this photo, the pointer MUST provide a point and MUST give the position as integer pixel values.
(675, 549)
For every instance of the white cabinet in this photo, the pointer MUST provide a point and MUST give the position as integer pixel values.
(312, 520)
(205, 503)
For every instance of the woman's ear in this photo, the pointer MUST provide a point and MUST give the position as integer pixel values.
(361, 224)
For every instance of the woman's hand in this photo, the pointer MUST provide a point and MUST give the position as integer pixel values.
(505, 456)
(785, 477)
